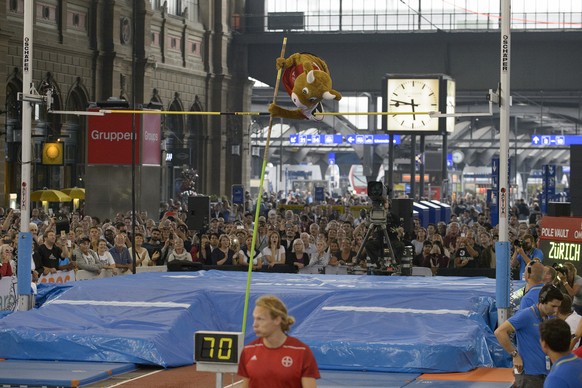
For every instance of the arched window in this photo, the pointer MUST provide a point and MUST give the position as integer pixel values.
(175, 123)
(13, 106)
(52, 122)
(75, 128)
(195, 122)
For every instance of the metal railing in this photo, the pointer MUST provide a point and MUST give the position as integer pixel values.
(394, 21)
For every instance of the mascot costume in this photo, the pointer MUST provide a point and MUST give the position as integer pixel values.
(307, 79)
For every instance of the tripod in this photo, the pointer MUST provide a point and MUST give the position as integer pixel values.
(377, 221)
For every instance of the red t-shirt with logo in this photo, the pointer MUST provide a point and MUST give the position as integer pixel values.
(281, 367)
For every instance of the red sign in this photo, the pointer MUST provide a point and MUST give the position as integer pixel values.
(150, 147)
(109, 140)
(567, 229)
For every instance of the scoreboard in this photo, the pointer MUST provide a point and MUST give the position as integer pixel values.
(561, 240)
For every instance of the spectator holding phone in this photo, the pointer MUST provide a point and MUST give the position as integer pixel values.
(466, 253)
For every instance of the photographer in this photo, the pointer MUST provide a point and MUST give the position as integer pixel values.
(524, 252)
(568, 275)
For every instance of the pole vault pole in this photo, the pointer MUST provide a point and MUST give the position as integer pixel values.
(502, 248)
(258, 205)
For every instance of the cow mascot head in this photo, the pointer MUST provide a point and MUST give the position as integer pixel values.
(307, 80)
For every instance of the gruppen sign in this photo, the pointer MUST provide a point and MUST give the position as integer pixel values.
(110, 139)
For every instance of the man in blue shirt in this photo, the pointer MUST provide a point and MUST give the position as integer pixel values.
(534, 274)
(524, 252)
(529, 360)
(120, 253)
(566, 369)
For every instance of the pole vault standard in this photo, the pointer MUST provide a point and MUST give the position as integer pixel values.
(25, 296)
(502, 246)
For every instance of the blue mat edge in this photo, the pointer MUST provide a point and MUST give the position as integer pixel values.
(116, 369)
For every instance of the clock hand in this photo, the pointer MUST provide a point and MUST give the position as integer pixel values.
(398, 102)
(413, 105)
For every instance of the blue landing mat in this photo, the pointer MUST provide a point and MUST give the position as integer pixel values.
(456, 384)
(356, 323)
(58, 373)
(336, 379)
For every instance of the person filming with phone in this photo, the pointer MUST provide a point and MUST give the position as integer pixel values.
(466, 253)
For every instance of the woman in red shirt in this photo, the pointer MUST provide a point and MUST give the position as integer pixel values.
(6, 263)
(274, 359)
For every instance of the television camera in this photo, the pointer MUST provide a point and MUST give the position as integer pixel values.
(377, 222)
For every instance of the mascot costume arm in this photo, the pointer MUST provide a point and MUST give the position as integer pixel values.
(307, 79)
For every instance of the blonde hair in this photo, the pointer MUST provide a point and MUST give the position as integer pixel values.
(276, 309)
(3, 247)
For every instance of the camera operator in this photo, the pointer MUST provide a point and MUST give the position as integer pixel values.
(524, 252)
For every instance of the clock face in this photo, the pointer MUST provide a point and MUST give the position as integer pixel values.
(406, 97)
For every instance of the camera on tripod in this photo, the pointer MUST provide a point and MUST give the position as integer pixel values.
(378, 194)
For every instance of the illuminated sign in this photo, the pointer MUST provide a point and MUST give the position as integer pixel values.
(310, 139)
(555, 140)
(564, 251)
(561, 240)
(372, 139)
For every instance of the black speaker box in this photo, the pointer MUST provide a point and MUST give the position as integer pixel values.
(576, 180)
(559, 209)
(402, 208)
(198, 213)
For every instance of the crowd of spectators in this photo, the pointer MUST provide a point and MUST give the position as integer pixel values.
(298, 236)
(289, 232)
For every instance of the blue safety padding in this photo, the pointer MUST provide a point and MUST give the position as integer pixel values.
(24, 263)
(58, 373)
(331, 379)
(48, 291)
(439, 324)
(457, 384)
(503, 273)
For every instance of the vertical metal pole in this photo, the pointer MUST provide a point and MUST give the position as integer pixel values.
(25, 292)
(27, 86)
(421, 170)
(412, 166)
(503, 197)
(390, 181)
(133, 132)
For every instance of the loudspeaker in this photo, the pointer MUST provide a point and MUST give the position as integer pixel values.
(198, 213)
(559, 209)
(576, 180)
(285, 21)
(402, 208)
